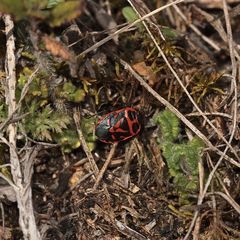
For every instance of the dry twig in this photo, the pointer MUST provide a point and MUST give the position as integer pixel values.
(94, 167)
(105, 166)
(21, 173)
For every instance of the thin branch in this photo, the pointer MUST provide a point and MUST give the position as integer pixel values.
(94, 167)
(105, 166)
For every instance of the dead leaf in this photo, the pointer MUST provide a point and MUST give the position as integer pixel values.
(57, 48)
(145, 71)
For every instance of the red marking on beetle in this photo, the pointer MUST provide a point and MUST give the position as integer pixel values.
(118, 125)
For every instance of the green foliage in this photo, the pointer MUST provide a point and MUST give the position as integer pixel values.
(169, 125)
(3, 112)
(42, 124)
(71, 93)
(182, 158)
(55, 11)
(205, 82)
(28, 56)
(22, 9)
(45, 123)
(169, 33)
(4, 170)
(37, 89)
(131, 16)
(69, 139)
(53, 3)
(65, 11)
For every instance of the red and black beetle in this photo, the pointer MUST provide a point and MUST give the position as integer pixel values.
(118, 125)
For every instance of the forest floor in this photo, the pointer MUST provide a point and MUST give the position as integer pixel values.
(178, 67)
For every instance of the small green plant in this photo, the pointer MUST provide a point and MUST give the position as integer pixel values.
(69, 139)
(182, 158)
(45, 122)
(205, 82)
(130, 15)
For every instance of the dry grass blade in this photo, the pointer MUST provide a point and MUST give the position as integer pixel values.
(229, 199)
(196, 30)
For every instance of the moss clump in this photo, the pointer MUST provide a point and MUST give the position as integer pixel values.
(182, 158)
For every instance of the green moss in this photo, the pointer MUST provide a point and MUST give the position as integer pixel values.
(182, 158)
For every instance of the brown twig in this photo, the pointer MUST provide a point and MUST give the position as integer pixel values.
(105, 166)
(21, 174)
(127, 231)
(93, 165)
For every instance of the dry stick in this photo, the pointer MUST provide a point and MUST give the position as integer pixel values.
(93, 165)
(23, 192)
(177, 113)
(5, 165)
(3, 218)
(187, 93)
(234, 73)
(201, 188)
(105, 166)
(197, 114)
(229, 199)
(124, 29)
(129, 232)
